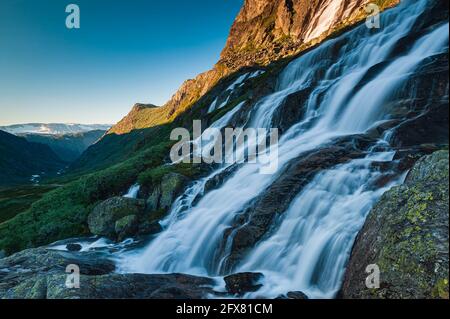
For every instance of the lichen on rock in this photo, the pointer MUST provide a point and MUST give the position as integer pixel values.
(406, 235)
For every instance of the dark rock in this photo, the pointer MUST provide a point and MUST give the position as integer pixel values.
(73, 247)
(41, 274)
(296, 295)
(293, 295)
(220, 178)
(126, 226)
(291, 110)
(131, 286)
(241, 283)
(149, 228)
(163, 195)
(102, 220)
(406, 235)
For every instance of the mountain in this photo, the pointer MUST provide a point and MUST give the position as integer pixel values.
(262, 35)
(52, 128)
(361, 172)
(23, 162)
(67, 146)
(263, 32)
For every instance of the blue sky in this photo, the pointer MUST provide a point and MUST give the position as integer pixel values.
(126, 51)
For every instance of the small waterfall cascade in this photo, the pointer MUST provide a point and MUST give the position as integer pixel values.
(133, 191)
(350, 80)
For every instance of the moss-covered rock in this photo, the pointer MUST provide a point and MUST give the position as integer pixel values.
(165, 193)
(41, 274)
(102, 220)
(126, 226)
(406, 235)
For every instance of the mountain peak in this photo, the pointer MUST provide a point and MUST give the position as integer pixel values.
(264, 31)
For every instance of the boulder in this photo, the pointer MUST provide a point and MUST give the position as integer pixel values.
(241, 283)
(41, 274)
(102, 220)
(164, 194)
(406, 236)
(294, 295)
(126, 226)
(73, 247)
(171, 186)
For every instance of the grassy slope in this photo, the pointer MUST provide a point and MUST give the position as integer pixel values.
(18, 199)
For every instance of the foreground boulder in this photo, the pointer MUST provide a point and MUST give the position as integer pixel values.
(41, 274)
(406, 236)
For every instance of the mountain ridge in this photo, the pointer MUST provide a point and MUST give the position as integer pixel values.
(20, 160)
(257, 38)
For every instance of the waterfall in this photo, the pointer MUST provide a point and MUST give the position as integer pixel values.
(133, 191)
(352, 77)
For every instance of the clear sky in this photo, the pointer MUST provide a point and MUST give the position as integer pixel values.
(126, 51)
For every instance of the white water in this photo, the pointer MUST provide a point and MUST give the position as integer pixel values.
(311, 243)
(133, 191)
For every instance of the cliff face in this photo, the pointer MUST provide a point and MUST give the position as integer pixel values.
(264, 31)
(406, 235)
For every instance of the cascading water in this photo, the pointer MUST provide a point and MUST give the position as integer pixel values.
(133, 191)
(308, 248)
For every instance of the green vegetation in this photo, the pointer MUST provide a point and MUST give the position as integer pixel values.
(62, 213)
(18, 199)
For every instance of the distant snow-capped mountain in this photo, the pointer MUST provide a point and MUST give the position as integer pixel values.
(52, 128)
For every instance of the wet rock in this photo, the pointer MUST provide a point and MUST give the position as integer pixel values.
(294, 295)
(171, 186)
(220, 178)
(406, 236)
(40, 274)
(25, 269)
(251, 225)
(241, 283)
(73, 247)
(291, 110)
(102, 220)
(131, 286)
(163, 195)
(126, 226)
(149, 228)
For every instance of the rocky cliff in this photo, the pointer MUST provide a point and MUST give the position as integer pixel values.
(263, 32)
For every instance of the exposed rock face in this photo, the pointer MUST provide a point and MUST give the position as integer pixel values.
(40, 274)
(406, 235)
(264, 31)
(102, 221)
